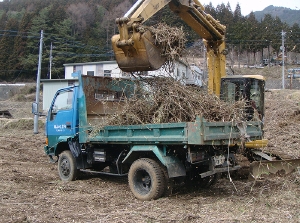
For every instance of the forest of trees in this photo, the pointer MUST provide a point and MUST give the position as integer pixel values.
(80, 31)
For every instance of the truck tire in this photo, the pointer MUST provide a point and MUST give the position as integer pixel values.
(146, 179)
(67, 169)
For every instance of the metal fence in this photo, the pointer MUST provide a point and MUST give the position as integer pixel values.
(293, 83)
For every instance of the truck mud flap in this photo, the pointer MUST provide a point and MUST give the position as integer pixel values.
(74, 147)
(260, 169)
(174, 166)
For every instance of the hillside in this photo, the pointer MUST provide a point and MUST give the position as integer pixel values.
(80, 31)
(290, 16)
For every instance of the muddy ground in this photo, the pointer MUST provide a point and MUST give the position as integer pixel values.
(31, 191)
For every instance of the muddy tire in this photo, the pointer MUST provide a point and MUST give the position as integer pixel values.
(67, 169)
(146, 179)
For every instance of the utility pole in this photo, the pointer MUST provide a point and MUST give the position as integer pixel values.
(50, 60)
(269, 59)
(239, 62)
(37, 95)
(204, 62)
(282, 48)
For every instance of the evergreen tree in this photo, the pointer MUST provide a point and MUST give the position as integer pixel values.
(276, 33)
(63, 48)
(20, 44)
(225, 15)
(211, 10)
(39, 22)
(294, 38)
(237, 14)
(7, 49)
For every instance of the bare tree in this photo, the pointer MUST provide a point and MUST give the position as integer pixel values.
(82, 16)
(110, 16)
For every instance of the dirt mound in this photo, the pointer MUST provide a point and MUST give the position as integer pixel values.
(20, 124)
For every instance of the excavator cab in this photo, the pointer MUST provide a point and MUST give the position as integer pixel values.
(245, 87)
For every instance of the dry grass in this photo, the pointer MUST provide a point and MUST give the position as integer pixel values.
(273, 72)
(282, 124)
(30, 189)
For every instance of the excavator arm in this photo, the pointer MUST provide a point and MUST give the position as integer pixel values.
(135, 48)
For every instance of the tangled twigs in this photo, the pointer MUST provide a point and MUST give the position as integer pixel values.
(171, 40)
(165, 100)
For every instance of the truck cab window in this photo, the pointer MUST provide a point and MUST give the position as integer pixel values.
(63, 101)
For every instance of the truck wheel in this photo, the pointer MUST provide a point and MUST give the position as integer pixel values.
(67, 169)
(146, 179)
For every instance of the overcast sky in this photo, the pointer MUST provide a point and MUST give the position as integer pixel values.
(254, 5)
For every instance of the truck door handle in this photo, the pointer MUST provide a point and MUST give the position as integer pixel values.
(68, 125)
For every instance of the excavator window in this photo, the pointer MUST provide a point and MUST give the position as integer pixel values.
(249, 89)
(233, 91)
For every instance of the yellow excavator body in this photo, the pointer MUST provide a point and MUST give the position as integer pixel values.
(256, 144)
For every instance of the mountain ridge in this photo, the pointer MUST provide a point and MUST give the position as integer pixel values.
(290, 16)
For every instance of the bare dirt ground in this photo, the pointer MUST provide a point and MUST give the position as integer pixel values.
(31, 191)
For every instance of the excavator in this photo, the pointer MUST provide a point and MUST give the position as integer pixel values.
(135, 50)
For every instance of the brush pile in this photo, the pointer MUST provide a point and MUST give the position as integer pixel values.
(165, 100)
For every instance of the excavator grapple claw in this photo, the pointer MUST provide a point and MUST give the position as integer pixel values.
(138, 53)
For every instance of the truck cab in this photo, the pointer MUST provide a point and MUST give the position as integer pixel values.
(62, 120)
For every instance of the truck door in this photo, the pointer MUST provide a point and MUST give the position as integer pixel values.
(62, 121)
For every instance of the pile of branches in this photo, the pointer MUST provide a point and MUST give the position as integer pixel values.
(165, 100)
(171, 40)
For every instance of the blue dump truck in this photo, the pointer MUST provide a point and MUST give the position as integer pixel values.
(151, 155)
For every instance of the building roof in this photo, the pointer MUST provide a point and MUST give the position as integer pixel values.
(91, 63)
(57, 80)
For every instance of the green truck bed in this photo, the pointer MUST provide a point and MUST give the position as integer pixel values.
(199, 132)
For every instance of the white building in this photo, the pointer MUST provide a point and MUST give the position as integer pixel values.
(180, 71)
(102, 68)
(50, 87)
